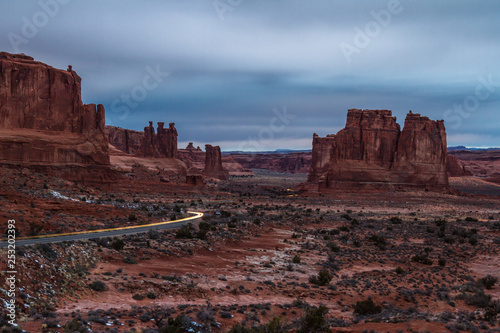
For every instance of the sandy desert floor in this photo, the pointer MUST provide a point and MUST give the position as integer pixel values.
(397, 261)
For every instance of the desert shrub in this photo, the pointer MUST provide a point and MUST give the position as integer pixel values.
(314, 320)
(75, 325)
(442, 262)
(47, 251)
(471, 219)
(379, 241)
(138, 297)
(186, 231)
(225, 315)
(488, 281)
(396, 220)
(473, 241)
(333, 247)
(204, 226)
(399, 270)
(132, 218)
(118, 244)
(296, 259)
(367, 307)
(422, 258)
(238, 328)
(98, 286)
(479, 299)
(257, 222)
(492, 310)
(177, 325)
(151, 294)
(129, 260)
(322, 279)
(346, 216)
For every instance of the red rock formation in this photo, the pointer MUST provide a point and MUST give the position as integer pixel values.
(128, 141)
(43, 121)
(196, 180)
(167, 140)
(373, 149)
(321, 156)
(455, 168)
(213, 163)
(421, 154)
(149, 145)
(296, 162)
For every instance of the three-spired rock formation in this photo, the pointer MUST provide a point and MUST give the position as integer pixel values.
(213, 163)
(162, 145)
(372, 150)
(43, 121)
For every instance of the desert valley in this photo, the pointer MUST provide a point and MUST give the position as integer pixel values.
(381, 227)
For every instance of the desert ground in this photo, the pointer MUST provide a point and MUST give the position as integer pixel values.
(265, 256)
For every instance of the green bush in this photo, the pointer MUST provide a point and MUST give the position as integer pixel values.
(396, 220)
(422, 258)
(118, 244)
(367, 307)
(488, 281)
(296, 259)
(186, 231)
(322, 279)
(98, 286)
(314, 321)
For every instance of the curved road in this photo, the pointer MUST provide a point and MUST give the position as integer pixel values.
(83, 235)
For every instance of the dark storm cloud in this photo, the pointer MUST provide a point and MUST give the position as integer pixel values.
(226, 76)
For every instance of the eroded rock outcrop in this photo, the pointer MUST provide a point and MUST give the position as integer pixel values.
(213, 163)
(125, 140)
(455, 168)
(161, 145)
(372, 150)
(43, 121)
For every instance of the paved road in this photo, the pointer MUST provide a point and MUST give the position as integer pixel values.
(104, 232)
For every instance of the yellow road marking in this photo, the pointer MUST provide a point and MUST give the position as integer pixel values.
(197, 215)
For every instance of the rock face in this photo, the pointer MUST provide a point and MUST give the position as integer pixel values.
(372, 149)
(456, 168)
(321, 156)
(296, 162)
(128, 141)
(213, 163)
(43, 120)
(163, 145)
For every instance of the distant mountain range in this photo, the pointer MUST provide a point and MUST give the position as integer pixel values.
(456, 148)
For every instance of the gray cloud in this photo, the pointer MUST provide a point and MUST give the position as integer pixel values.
(226, 76)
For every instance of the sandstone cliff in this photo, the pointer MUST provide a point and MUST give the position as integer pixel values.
(372, 149)
(43, 121)
(296, 162)
(213, 163)
(125, 140)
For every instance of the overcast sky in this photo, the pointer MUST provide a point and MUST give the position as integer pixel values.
(263, 75)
